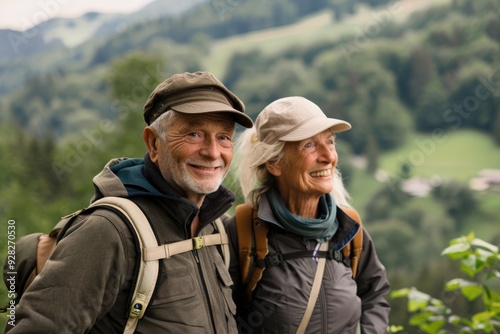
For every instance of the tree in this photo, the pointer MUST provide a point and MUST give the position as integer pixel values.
(132, 80)
(457, 198)
(363, 92)
(420, 72)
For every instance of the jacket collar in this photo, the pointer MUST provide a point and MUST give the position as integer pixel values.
(345, 233)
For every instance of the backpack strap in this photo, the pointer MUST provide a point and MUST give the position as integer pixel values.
(168, 250)
(314, 294)
(249, 225)
(252, 233)
(353, 249)
(276, 259)
(219, 225)
(152, 252)
(148, 270)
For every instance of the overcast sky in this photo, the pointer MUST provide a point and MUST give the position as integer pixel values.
(23, 14)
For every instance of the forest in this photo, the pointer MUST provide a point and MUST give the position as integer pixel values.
(421, 88)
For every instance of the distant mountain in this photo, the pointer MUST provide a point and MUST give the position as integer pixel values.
(71, 32)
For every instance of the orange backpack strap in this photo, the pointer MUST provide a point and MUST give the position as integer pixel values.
(252, 233)
(353, 249)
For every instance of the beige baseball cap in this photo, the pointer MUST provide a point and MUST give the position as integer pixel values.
(294, 118)
(194, 93)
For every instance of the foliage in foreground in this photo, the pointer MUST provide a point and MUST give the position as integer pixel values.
(480, 262)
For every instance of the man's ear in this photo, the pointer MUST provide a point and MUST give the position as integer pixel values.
(151, 140)
(274, 169)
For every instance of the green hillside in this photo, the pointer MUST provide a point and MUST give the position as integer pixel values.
(397, 81)
(320, 27)
(460, 157)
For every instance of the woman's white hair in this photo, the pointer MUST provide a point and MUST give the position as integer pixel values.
(255, 179)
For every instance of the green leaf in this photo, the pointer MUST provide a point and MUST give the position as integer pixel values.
(401, 293)
(472, 292)
(478, 317)
(417, 300)
(485, 245)
(457, 283)
(421, 319)
(492, 300)
(459, 240)
(454, 320)
(469, 265)
(482, 321)
(457, 251)
(394, 329)
(471, 236)
(433, 326)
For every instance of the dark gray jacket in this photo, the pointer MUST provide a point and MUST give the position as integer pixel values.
(281, 296)
(86, 284)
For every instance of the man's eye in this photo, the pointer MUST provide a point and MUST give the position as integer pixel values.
(194, 137)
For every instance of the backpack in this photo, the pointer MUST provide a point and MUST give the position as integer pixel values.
(33, 250)
(253, 249)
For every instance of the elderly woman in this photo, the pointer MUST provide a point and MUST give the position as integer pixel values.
(288, 175)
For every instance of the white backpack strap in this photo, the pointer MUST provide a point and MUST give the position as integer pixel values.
(150, 253)
(313, 296)
(148, 271)
(168, 250)
(225, 246)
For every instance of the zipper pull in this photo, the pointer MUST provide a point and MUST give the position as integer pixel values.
(195, 253)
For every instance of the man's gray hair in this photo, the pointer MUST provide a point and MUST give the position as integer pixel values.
(161, 124)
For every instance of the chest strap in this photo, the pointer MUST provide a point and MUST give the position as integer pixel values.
(276, 259)
(168, 250)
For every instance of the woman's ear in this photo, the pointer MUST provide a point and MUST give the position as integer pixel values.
(151, 140)
(273, 168)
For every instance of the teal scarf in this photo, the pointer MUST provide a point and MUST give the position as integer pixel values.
(322, 228)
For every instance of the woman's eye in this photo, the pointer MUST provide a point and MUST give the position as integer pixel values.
(308, 146)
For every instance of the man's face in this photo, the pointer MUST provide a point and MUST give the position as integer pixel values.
(197, 153)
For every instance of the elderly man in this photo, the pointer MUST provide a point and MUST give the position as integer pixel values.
(86, 284)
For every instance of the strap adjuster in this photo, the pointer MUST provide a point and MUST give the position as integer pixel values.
(271, 260)
(198, 242)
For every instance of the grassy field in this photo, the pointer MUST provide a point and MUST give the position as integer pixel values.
(459, 156)
(456, 155)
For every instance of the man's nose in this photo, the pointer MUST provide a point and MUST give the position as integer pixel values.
(210, 148)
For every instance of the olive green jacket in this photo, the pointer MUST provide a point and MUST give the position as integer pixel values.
(86, 284)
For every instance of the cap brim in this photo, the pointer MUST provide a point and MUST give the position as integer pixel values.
(200, 107)
(315, 126)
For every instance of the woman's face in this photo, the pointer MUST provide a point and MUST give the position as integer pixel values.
(306, 172)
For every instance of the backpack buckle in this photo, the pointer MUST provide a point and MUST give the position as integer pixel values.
(198, 242)
(271, 260)
(136, 309)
